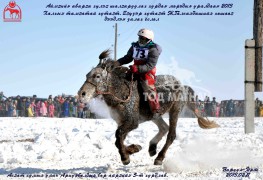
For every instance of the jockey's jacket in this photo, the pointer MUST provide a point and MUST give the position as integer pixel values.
(145, 57)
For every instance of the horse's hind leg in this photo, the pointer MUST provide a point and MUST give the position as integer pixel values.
(173, 117)
(163, 129)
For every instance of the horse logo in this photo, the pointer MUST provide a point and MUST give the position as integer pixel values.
(12, 12)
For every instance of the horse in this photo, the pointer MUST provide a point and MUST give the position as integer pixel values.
(123, 95)
(12, 11)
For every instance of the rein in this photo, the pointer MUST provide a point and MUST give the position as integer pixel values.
(114, 96)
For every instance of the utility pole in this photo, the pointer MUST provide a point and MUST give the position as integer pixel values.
(253, 66)
(115, 42)
(249, 85)
(257, 36)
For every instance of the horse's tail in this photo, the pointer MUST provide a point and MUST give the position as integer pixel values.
(202, 122)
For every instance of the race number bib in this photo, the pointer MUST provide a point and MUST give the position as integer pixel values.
(140, 53)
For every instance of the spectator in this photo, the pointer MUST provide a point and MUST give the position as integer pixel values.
(34, 98)
(23, 108)
(208, 109)
(86, 111)
(50, 98)
(27, 105)
(19, 106)
(257, 107)
(261, 110)
(66, 108)
(80, 109)
(230, 108)
(10, 107)
(14, 109)
(51, 110)
(46, 104)
(2, 108)
(56, 106)
(217, 110)
(60, 106)
(33, 106)
(222, 109)
(201, 108)
(213, 107)
(197, 107)
(71, 109)
(239, 109)
(75, 107)
(49, 101)
(43, 109)
(30, 111)
(37, 109)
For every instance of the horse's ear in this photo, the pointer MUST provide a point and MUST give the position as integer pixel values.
(102, 63)
(103, 57)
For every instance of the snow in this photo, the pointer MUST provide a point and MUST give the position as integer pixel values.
(66, 148)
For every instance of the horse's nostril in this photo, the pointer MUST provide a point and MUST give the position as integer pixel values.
(83, 94)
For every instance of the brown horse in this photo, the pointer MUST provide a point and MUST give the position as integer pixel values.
(128, 106)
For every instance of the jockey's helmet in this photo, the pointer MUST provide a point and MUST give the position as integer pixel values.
(145, 36)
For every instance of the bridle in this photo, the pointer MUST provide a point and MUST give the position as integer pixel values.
(98, 92)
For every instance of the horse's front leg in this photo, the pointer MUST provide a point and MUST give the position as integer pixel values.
(163, 129)
(121, 134)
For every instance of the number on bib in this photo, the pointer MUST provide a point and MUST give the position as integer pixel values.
(140, 53)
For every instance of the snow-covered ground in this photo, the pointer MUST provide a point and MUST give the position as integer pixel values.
(68, 148)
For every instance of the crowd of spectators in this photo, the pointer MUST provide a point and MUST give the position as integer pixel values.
(225, 108)
(69, 106)
(59, 106)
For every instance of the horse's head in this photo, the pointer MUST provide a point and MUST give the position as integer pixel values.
(96, 79)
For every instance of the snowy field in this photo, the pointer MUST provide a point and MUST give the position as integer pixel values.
(71, 148)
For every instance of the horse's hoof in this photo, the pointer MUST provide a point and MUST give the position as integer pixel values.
(126, 162)
(134, 148)
(152, 149)
(138, 147)
(152, 153)
(158, 162)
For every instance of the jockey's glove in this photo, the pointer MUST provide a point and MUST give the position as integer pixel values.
(134, 69)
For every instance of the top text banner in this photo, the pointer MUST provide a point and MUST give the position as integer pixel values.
(139, 12)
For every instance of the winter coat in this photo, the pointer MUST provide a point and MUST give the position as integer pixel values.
(147, 61)
(43, 109)
(51, 110)
(19, 104)
(66, 108)
(37, 108)
(30, 112)
(261, 111)
(27, 104)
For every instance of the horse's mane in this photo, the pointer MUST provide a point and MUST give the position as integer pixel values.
(106, 61)
(105, 54)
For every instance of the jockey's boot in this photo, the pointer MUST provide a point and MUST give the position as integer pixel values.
(155, 108)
